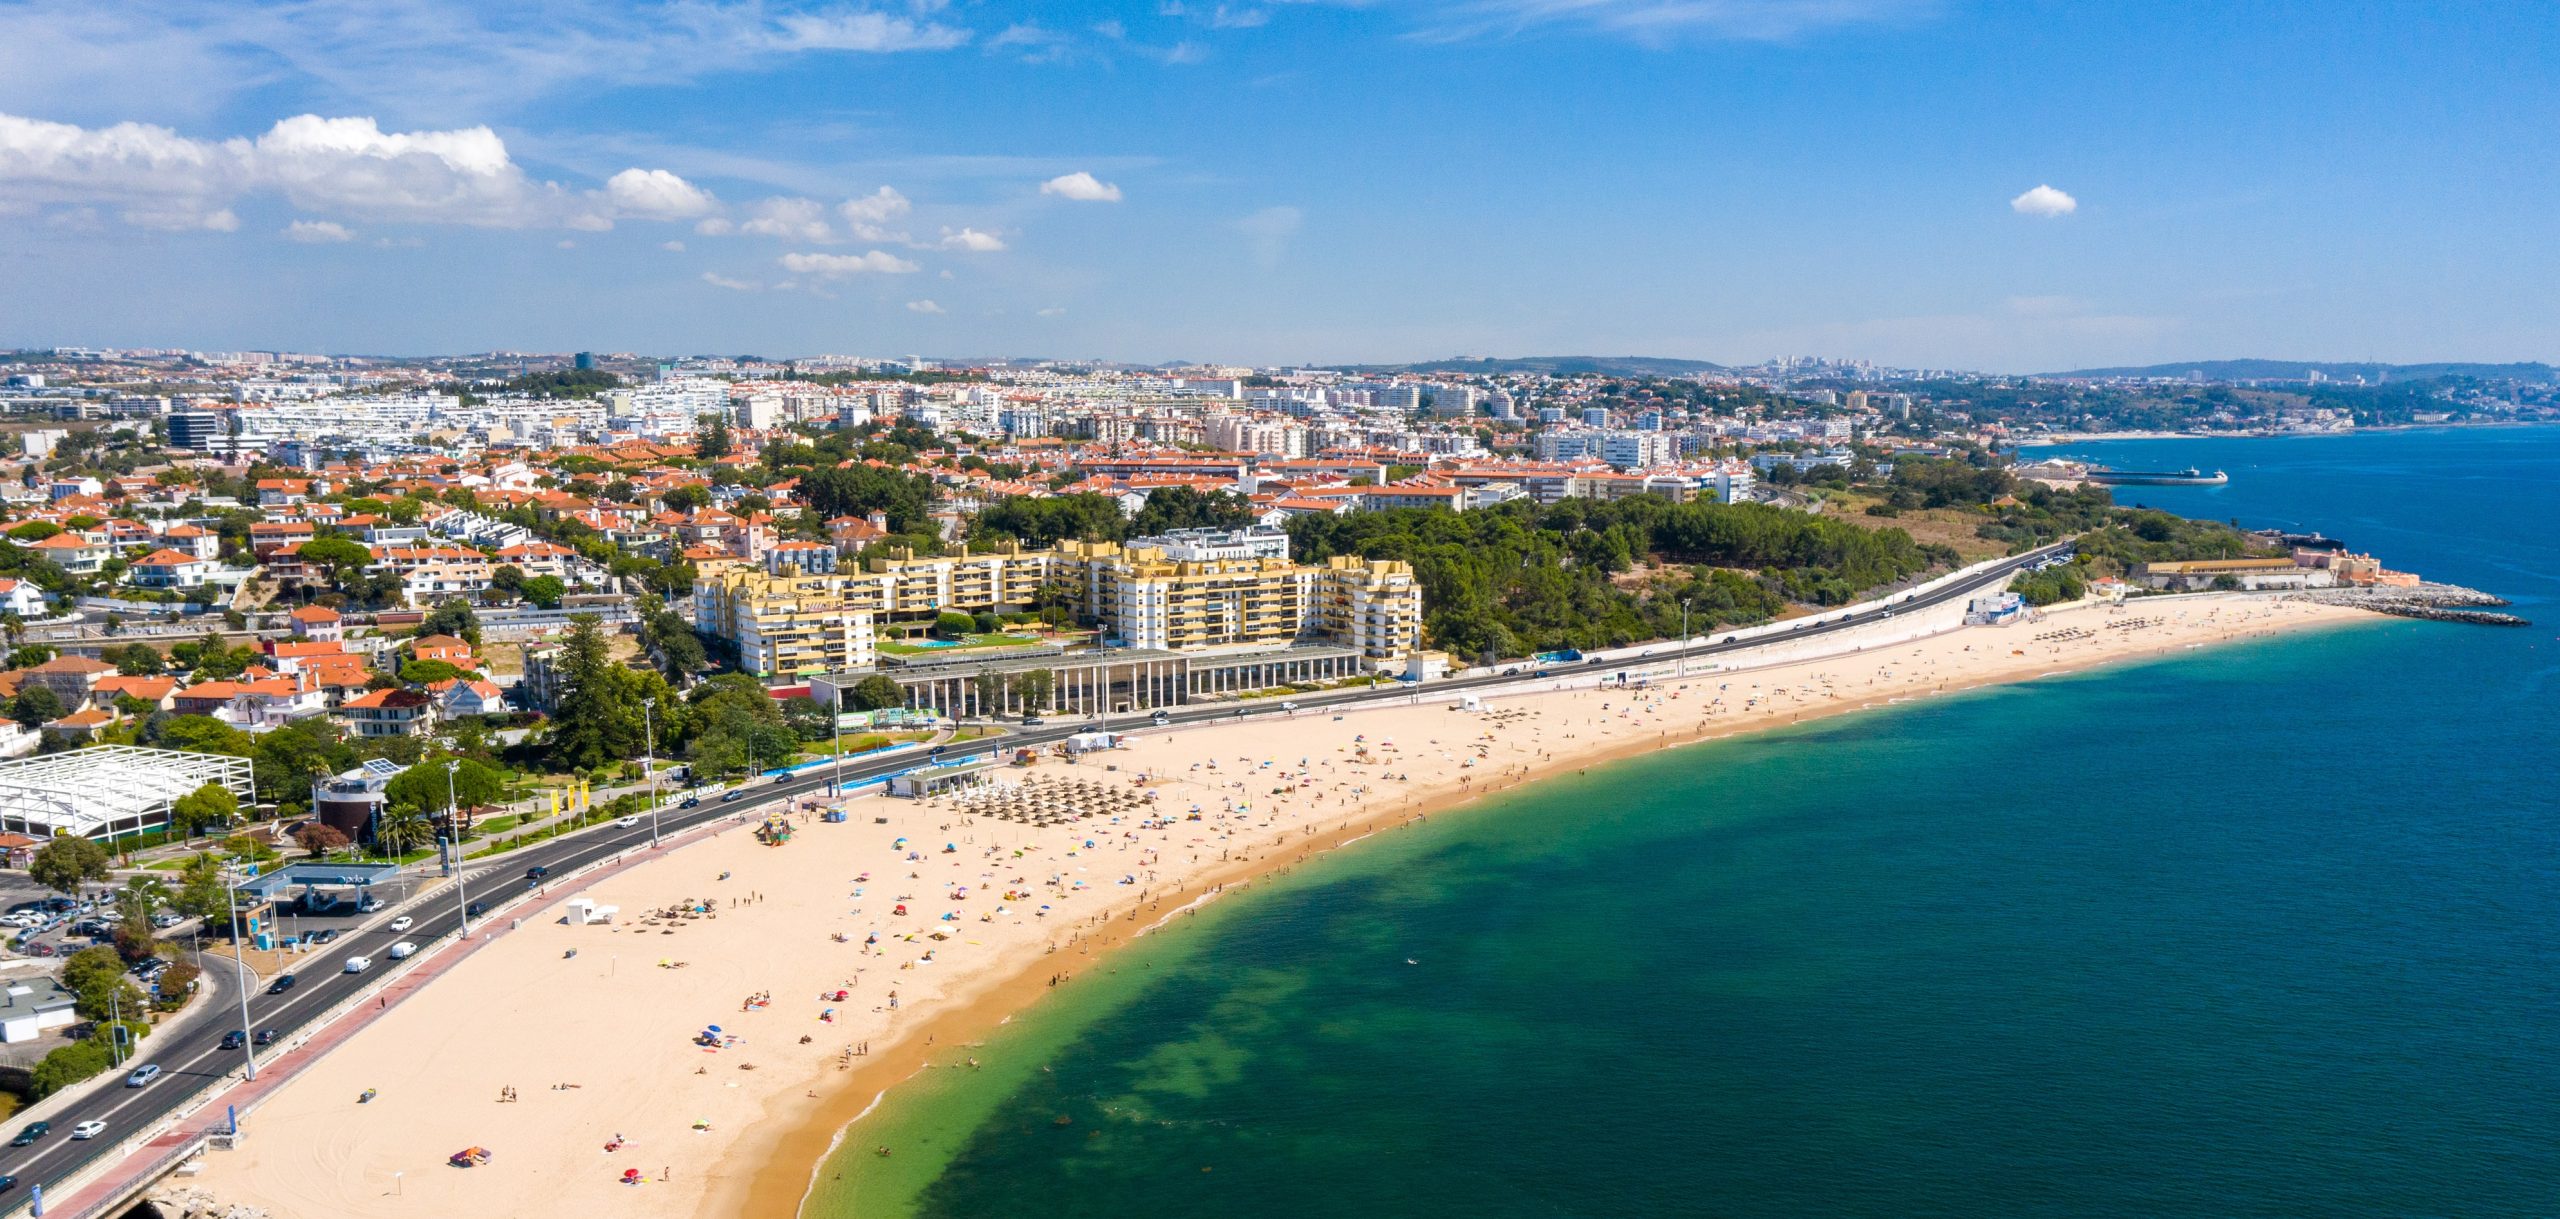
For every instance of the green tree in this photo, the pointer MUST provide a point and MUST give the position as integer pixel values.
(66, 1065)
(36, 705)
(402, 830)
(28, 656)
(98, 984)
(507, 578)
(427, 672)
(201, 809)
(201, 892)
(140, 660)
(597, 719)
(545, 591)
(67, 863)
(339, 559)
(953, 625)
(248, 848)
(711, 438)
(422, 788)
(453, 618)
(876, 692)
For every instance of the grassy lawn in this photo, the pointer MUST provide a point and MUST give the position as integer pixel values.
(496, 825)
(963, 644)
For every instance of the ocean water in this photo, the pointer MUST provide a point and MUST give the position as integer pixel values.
(2271, 929)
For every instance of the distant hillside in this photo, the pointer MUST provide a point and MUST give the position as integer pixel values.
(2301, 370)
(1560, 366)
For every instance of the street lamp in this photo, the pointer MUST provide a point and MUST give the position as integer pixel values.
(835, 712)
(1684, 636)
(250, 1045)
(453, 832)
(649, 724)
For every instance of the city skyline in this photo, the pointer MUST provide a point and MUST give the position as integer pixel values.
(1915, 184)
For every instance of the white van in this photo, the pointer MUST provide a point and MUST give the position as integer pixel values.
(402, 950)
(357, 965)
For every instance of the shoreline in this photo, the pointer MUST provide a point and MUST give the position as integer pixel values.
(759, 1142)
(973, 1020)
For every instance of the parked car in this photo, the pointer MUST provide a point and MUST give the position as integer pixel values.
(357, 965)
(32, 1131)
(165, 920)
(234, 1039)
(142, 1075)
(370, 905)
(283, 983)
(89, 1129)
(403, 950)
(403, 923)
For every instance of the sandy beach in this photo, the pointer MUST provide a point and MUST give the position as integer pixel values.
(576, 1054)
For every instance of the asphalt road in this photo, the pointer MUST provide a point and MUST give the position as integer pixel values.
(192, 1057)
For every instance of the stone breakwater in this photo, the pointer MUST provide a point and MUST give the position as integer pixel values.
(2434, 602)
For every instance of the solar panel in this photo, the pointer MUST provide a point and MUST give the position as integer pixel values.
(382, 768)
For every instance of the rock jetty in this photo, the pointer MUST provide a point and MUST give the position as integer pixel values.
(184, 1202)
(2434, 602)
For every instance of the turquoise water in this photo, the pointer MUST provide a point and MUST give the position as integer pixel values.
(2267, 930)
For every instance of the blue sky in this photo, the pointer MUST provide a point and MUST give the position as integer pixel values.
(1288, 181)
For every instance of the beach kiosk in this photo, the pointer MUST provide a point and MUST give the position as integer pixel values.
(934, 780)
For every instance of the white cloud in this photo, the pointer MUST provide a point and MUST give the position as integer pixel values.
(875, 262)
(717, 280)
(715, 227)
(1053, 311)
(861, 31)
(655, 194)
(1661, 21)
(923, 307)
(566, 244)
(423, 57)
(788, 218)
(1268, 231)
(2044, 201)
(971, 240)
(349, 167)
(318, 232)
(867, 214)
(1081, 186)
(672, 247)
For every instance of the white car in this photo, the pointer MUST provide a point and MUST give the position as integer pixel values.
(357, 965)
(628, 822)
(402, 923)
(89, 1130)
(402, 950)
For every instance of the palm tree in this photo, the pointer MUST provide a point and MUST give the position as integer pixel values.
(402, 831)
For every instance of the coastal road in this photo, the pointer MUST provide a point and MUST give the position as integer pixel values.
(191, 1057)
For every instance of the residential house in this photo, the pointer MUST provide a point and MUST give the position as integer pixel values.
(446, 648)
(159, 692)
(169, 569)
(318, 623)
(196, 540)
(73, 679)
(460, 698)
(382, 713)
(73, 553)
(21, 597)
